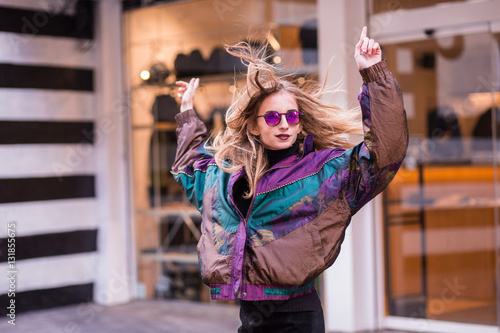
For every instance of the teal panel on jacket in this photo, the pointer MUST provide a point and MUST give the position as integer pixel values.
(228, 218)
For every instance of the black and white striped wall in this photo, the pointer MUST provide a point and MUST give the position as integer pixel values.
(63, 160)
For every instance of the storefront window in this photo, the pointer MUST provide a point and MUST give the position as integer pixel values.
(165, 43)
(440, 212)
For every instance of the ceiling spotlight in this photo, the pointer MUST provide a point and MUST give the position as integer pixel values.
(145, 75)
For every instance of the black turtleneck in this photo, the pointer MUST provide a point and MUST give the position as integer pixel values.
(241, 186)
(275, 156)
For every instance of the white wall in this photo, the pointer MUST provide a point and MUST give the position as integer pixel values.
(116, 266)
(350, 302)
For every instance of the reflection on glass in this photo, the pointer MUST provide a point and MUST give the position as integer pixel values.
(439, 212)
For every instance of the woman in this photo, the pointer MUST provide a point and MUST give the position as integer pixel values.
(278, 188)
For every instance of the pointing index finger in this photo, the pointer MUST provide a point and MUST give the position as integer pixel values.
(363, 33)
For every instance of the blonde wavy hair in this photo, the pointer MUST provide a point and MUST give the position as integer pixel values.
(236, 147)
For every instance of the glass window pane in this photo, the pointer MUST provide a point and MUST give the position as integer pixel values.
(439, 211)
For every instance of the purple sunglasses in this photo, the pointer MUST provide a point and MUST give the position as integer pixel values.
(273, 118)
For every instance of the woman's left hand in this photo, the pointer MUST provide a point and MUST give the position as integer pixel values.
(367, 51)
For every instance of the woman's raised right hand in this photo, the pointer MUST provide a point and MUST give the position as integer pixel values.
(186, 93)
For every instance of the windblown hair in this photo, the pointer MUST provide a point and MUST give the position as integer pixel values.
(237, 147)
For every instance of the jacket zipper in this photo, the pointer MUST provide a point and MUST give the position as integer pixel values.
(245, 222)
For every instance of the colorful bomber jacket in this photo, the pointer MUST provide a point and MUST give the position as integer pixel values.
(302, 205)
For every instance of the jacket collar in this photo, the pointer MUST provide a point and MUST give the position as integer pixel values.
(308, 145)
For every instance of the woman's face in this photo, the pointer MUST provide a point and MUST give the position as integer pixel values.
(283, 135)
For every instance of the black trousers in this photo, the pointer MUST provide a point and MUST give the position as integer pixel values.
(281, 322)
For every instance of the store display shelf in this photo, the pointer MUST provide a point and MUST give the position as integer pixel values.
(170, 210)
(172, 257)
(204, 79)
(161, 126)
(229, 77)
(215, 78)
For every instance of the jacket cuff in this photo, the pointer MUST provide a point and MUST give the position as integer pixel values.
(373, 72)
(185, 117)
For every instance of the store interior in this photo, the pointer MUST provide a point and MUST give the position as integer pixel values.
(178, 41)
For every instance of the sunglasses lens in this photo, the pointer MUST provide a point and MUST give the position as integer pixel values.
(272, 118)
(293, 117)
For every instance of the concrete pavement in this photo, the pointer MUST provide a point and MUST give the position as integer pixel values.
(142, 316)
(149, 316)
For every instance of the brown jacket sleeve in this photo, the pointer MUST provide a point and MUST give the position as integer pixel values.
(372, 164)
(384, 120)
(191, 135)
